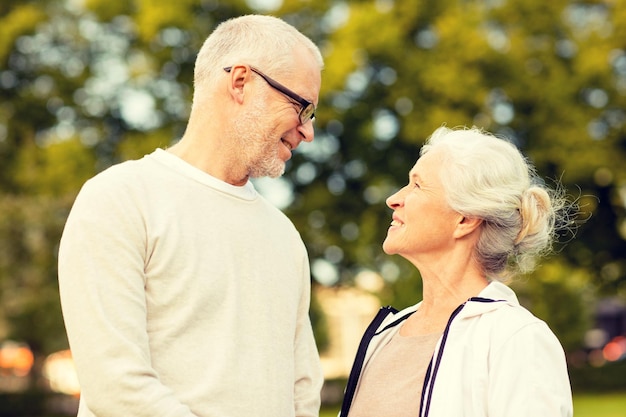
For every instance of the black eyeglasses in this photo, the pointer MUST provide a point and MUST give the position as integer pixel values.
(308, 109)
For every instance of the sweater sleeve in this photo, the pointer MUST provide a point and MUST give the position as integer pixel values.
(308, 373)
(101, 278)
(528, 375)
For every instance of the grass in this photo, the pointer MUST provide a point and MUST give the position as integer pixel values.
(329, 412)
(585, 405)
(600, 405)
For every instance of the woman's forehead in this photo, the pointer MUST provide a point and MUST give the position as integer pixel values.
(427, 164)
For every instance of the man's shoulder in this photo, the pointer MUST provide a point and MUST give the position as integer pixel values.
(126, 172)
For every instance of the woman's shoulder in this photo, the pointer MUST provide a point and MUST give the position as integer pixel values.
(516, 324)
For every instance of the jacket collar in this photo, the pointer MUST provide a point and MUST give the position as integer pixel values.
(495, 291)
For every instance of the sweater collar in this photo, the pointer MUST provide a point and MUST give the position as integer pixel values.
(244, 192)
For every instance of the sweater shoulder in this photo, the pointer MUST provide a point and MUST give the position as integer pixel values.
(124, 173)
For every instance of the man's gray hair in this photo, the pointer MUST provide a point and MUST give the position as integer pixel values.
(265, 42)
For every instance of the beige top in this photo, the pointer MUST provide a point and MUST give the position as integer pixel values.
(391, 385)
(185, 296)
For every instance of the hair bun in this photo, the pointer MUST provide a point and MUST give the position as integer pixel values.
(535, 212)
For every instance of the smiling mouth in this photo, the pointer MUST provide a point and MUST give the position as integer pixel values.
(396, 223)
(287, 144)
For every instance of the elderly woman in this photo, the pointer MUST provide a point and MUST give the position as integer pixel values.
(473, 211)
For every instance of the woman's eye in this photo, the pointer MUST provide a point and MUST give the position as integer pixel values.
(416, 185)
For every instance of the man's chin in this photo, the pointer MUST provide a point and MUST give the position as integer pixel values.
(275, 171)
(278, 172)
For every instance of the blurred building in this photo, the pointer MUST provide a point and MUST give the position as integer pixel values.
(348, 311)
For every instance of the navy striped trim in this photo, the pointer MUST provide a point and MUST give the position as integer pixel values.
(430, 382)
(355, 373)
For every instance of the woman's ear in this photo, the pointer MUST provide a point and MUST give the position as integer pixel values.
(466, 226)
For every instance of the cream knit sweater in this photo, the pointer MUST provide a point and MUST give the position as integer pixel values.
(186, 296)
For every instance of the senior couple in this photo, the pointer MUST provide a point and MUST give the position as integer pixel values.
(185, 293)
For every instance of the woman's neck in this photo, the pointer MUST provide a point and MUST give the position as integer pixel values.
(441, 298)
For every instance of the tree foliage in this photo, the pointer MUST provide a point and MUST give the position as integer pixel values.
(87, 84)
(548, 75)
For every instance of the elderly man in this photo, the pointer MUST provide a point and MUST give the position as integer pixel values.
(184, 292)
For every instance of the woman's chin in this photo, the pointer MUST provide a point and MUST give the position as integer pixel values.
(388, 248)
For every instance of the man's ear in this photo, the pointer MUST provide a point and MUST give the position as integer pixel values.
(239, 76)
(466, 226)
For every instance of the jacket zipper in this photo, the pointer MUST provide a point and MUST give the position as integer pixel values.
(429, 382)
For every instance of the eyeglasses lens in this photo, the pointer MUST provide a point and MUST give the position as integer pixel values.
(307, 113)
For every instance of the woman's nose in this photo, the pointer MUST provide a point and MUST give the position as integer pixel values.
(395, 200)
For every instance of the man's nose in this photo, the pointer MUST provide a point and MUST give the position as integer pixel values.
(306, 131)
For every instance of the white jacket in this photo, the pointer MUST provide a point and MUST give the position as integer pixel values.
(494, 359)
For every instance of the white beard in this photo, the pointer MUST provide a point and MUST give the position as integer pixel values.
(257, 143)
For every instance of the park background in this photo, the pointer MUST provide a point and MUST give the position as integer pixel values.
(88, 83)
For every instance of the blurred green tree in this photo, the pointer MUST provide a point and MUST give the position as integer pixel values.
(548, 75)
(87, 84)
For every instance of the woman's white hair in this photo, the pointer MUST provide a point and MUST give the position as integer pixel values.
(487, 177)
(265, 42)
